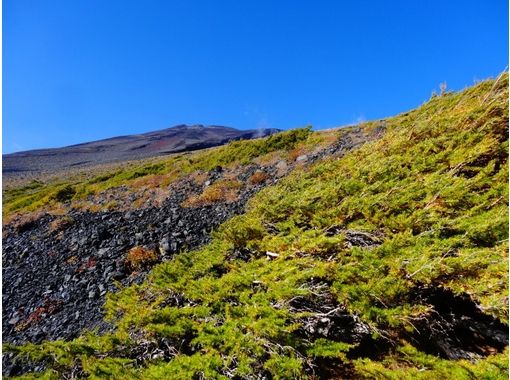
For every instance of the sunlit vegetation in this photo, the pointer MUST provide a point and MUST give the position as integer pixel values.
(38, 195)
(432, 194)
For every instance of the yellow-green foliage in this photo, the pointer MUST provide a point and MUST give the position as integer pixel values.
(37, 195)
(435, 188)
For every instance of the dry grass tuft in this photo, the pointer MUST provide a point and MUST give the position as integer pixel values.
(221, 191)
(199, 177)
(295, 153)
(60, 224)
(258, 177)
(151, 181)
(22, 222)
(141, 257)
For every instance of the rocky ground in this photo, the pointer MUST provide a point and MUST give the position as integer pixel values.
(55, 281)
(58, 269)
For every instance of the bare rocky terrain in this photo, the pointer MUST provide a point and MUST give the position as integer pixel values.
(117, 149)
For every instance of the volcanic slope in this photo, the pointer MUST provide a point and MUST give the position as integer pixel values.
(388, 261)
(170, 140)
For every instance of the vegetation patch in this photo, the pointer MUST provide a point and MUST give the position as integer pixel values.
(140, 257)
(221, 191)
(258, 177)
(60, 223)
(159, 172)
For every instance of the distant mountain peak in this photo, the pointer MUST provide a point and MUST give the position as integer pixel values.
(179, 138)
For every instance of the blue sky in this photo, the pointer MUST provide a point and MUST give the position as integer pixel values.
(82, 70)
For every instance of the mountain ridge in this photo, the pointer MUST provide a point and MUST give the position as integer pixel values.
(179, 138)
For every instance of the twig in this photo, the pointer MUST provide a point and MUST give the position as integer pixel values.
(494, 85)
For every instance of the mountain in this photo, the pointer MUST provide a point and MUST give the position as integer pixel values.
(170, 140)
(376, 251)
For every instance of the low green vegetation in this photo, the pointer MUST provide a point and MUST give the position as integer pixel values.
(38, 195)
(433, 190)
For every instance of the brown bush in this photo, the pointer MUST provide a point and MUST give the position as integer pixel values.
(23, 222)
(60, 224)
(150, 181)
(258, 177)
(141, 257)
(295, 153)
(222, 191)
(199, 177)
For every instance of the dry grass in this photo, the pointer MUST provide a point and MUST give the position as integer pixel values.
(48, 308)
(221, 191)
(60, 224)
(231, 175)
(58, 210)
(23, 221)
(140, 257)
(258, 177)
(158, 196)
(295, 153)
(199, 177)
(151, 181)
(268, 159)
(328, 137)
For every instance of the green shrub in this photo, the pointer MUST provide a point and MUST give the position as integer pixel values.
(64, 194)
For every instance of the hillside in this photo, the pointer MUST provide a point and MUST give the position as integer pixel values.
(376, 251)
(170, 140)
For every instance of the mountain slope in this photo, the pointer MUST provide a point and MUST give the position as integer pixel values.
(388, 262)
(170, 140)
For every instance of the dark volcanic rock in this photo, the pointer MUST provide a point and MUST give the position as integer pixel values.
(76, 266)
(74, 271)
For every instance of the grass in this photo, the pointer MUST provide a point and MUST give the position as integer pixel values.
(434, 188)
(37, 195)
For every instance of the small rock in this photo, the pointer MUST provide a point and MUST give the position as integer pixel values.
(281, 168)
(14, 320)
(117, 275)
(164, 245)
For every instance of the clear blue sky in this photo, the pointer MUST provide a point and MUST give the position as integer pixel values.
(82, 70)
